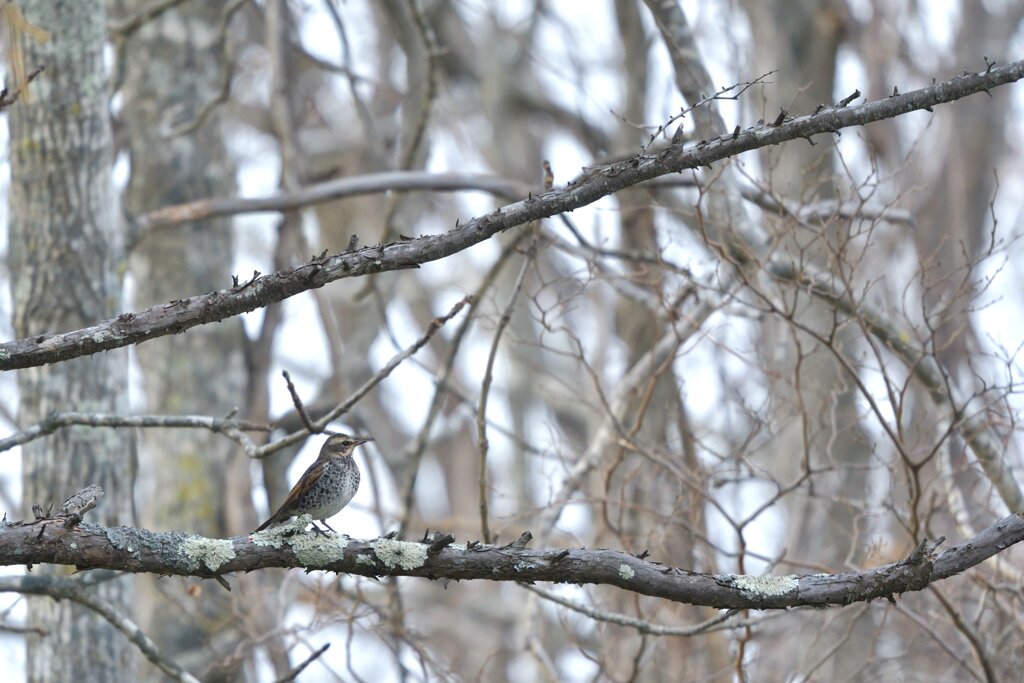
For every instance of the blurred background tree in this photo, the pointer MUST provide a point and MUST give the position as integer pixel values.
(770, 434)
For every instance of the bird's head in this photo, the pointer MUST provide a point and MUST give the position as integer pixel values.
(341, 445)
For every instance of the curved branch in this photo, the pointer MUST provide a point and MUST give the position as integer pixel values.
(182, 314)
(60, 588)
(89, 546)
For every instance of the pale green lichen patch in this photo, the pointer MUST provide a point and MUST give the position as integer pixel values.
(765, 586)
(277, 536)
(365, 559)
(402, 554)
(318, 550)
(626, 572)
(212, 552)
(311, 549)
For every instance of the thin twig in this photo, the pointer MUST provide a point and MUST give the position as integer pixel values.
(346, 405)
(419, 445)
(10, 628)
(228, 71)
(297, 402)
(485, 388)
(294, 673)
(119, 29)
(713, 624)
(8, 97)
(739, 89)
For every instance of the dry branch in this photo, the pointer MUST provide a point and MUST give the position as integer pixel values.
(90, 546)
(182, 314)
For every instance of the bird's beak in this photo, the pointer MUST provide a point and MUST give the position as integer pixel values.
(363, 439)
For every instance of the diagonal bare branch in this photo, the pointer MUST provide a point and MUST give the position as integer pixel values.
(60, 588)
(179, 315)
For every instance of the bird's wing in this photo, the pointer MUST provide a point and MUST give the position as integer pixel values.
(307, 480)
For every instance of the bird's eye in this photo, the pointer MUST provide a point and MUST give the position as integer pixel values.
(346, 442)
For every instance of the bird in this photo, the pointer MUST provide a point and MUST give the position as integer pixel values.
(326, 487)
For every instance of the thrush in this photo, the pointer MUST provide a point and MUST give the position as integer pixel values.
(326, 487)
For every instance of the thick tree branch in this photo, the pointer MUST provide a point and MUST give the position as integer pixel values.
(182, 314)
(89, 546)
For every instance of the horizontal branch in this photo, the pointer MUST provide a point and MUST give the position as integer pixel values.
(89, 546)
(55, 421)
(182, 314)
(330, 190)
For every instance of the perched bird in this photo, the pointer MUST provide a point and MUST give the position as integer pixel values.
(326, 487)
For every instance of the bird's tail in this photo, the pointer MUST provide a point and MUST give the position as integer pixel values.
(274, 519)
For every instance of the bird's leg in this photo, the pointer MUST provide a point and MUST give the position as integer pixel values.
(324, 522)
(318, 530)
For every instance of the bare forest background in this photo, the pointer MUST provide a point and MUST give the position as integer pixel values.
(799, 360)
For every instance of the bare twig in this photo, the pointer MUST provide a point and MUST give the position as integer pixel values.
(346, 405)
(297, 402)
(724, 620)
(120, 29)
(485, 389)
(416, 450)
(228, 69)
(294, 673)
(678, 332)
(736, 90)
(925, 367)
(9, 97)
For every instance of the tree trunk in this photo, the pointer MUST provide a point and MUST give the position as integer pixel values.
(65, 257)
(194, 480)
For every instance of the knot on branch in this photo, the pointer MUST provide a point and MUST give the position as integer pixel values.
(437, 541)
(75, 507)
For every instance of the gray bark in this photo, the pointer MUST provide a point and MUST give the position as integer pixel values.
(65, 257)
(91, 546)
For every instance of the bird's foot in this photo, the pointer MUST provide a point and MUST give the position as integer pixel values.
(320, 531)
